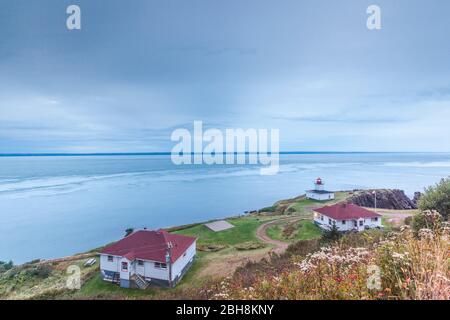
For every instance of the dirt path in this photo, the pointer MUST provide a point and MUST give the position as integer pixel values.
(225, 264)
(261, 233)
(396, 218)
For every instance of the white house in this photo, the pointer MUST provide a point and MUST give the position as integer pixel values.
(347, 217)
(148, 257)
(319, 193)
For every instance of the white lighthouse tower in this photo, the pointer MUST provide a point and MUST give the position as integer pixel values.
(318, 184)
(319, 193)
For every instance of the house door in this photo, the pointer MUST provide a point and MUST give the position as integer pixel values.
(125, 266)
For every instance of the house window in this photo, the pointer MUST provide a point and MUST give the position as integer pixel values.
(329, 221)
(159, 265)
(321, 217)
(140, 263)
(361, 223)
(184, 254)
(110, 258)
(124, 266)
(343, 221)
(375, 219)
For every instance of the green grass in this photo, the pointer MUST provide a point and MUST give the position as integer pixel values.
(244, 231)
(275, 232)
(301, 206)
(96, 287)
(306, 230)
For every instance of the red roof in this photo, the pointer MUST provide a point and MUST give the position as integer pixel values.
(150, 245)
(346, 211)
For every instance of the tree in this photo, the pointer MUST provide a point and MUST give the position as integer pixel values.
(128, 231)
(437, 198)
(333, 234)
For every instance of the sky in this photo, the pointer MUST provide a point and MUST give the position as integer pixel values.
(137, 70)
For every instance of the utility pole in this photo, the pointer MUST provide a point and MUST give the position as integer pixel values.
(375, 195)
(168, 261)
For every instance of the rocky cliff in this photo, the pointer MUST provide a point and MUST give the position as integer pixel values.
(386, 199)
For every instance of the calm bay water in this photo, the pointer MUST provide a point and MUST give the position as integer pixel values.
(53, 206)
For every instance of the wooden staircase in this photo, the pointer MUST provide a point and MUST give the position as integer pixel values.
(116, 277)
(140, 282)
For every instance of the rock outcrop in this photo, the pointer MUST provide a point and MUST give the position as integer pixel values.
(417, 196)
(386, 199)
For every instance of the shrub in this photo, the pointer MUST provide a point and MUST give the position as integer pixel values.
(437, 198)
(39, 271)
(408, 221)
(271, 209)
(5, 266)
(426, 220)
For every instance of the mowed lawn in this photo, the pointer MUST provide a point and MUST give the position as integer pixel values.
(244, 231)
(305, 230)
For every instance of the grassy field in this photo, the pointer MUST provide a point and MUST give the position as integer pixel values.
(244, 231)
(302, 205)
(303, 230)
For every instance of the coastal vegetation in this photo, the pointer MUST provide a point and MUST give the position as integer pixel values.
(437, 198)
(370, 265)
(239, 263)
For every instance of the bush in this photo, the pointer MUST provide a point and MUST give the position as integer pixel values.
(39, 271)
(437, 198)
(5, 266)
(409, 221)
(426, 220)
(271, 209)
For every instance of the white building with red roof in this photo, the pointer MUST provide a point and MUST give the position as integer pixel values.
(148, 257)
(347, 217)
(319, 193)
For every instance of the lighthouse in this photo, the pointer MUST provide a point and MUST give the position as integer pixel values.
(318, 184)
(319, 193)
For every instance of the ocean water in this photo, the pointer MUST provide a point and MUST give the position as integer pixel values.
(54, 206)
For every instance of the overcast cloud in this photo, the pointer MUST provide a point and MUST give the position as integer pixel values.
(138, 69)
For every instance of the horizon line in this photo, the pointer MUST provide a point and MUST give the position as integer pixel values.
(165, 153)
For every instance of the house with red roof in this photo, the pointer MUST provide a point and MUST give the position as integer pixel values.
(148, 257)
(347, 217)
